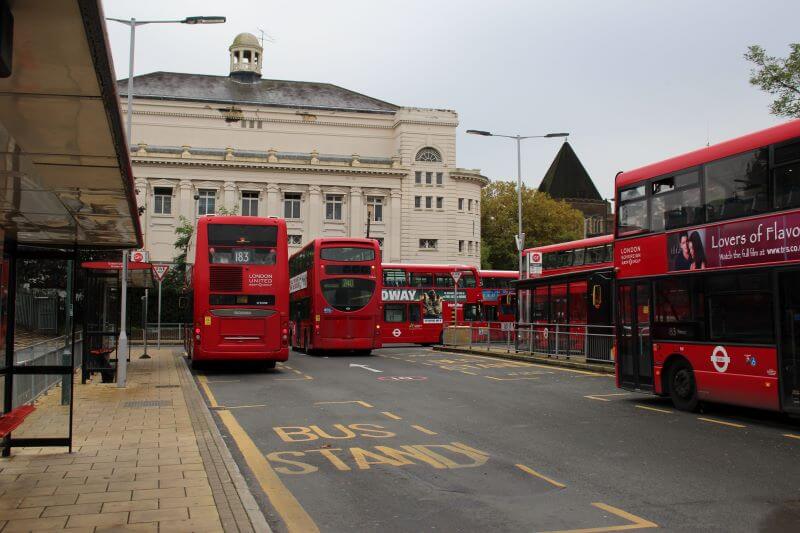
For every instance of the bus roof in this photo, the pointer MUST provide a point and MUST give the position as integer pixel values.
(731, 147)
(342, 240)
(240, 219)
(571, 245)
(432, 267)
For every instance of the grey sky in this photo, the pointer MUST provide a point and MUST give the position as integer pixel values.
(633, 81)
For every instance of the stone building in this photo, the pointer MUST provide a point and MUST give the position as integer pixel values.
(567, 180)
(321, 156)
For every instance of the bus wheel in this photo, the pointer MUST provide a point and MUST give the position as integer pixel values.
(682, 388)
(268, 365)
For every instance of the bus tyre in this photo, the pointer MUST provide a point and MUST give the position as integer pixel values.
(682, 387)
(268, 365)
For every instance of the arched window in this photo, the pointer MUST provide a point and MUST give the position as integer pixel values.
(429, 155)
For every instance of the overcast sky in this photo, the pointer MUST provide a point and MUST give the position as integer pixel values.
(632, 81)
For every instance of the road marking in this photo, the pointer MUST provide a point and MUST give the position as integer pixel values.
(506, 379)
(296, 371)
(424, 430)
(721, 422)
(548, 367)
(533, 472)
(225, 381)
(791, 436)
(305, 377)
(667, 411)
(294, 516)
(212, 401)
(246, 406)
(362, 403)
(602, 397)
(468, 372)
(635, 522)
(391, 415)
(365, 367)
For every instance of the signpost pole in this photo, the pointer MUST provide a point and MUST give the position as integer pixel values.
(159, 271)
(158, 344)
(145, 355)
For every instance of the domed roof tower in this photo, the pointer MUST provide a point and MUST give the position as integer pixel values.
(246, 58)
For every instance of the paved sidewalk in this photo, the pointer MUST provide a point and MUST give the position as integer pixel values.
(147, 458)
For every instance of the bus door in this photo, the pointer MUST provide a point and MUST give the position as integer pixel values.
(635, 346)
(789, 283)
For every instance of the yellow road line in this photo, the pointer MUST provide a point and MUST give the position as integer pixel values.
(635, 522)
(391, 415)
(656, 409)
(424, 430)
(722, 422)
(506, 379)
(549, 367)
(791, 436)
(541, 476)
(468, 372)
(294, 516)
(212, 401)
(225, 381)
(602, 397)
(362, 403)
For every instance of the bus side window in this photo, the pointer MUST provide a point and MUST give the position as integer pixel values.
(413, 313)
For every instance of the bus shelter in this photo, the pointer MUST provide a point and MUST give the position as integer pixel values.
(100, 326)
(65, 186)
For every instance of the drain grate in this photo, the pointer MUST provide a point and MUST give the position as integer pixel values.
(141, 404)
(167, 386)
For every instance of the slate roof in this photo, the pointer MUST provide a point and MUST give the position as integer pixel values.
(567, 178)
(224, 89)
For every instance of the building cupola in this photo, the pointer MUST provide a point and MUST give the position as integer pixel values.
(246, 58)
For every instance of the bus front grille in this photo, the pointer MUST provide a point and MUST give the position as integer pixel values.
(226, 278)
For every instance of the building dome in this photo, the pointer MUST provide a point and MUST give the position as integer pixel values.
(245, 39)
(246, 58)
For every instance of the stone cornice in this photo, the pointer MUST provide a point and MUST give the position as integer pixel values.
(278, 167)
(472, 175)
(253, 116)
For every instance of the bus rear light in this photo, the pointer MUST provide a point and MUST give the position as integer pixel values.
(197, 331)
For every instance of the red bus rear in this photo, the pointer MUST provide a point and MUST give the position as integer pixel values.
(708, 284)
(335, 302)
(240, 290)
(499, 302)
(420, 300)
(565, 300)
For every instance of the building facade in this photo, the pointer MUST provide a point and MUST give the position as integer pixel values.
(332, 162)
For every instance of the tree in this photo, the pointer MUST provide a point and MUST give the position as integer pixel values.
(778, 76)
(177, 274)
(544, 221)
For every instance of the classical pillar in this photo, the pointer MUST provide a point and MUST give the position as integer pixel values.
(141, 201)
(313, 214)
(357, 220)
(273, 201)
(185, 201)
(230, 196)
(395, 218)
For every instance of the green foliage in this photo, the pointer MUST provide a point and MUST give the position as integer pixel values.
(779, 77)
(544, 221)
(224, 211)
(176, 277)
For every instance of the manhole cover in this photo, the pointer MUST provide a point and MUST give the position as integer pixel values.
(141, 404)
(167, 386)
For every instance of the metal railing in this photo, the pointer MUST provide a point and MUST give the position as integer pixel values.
(171, 333)
(52, 352)
(564, 341)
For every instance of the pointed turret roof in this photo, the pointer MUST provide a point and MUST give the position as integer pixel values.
(567, 178)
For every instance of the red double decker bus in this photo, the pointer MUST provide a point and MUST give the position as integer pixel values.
(335, 295)
(240, 290)
(708, 274)
(420, 300)
(566, 298)
(499, 303)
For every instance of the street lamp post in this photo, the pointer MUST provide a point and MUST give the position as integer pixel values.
(520, 237)
(122, 344)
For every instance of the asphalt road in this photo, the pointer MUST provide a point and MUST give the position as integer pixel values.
(447, 442)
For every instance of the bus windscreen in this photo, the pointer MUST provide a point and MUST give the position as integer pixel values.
(347, 294)
(242, 244)
(347, 254)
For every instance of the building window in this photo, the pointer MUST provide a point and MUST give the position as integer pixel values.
(439, 202)
(477, 248)
(469, 204)
(418, 177)
(206, 202)
(291, 205)
(438, 178)
(460, 204)
(380, 242)
(428, 202)
(250, 203)
(295, 240)
(162, 200)
(461, 247)
(375, 207)
(418, 201)
(333, 206)
(429, 155)
(469, 247)
(428, 244)
(428, 178)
